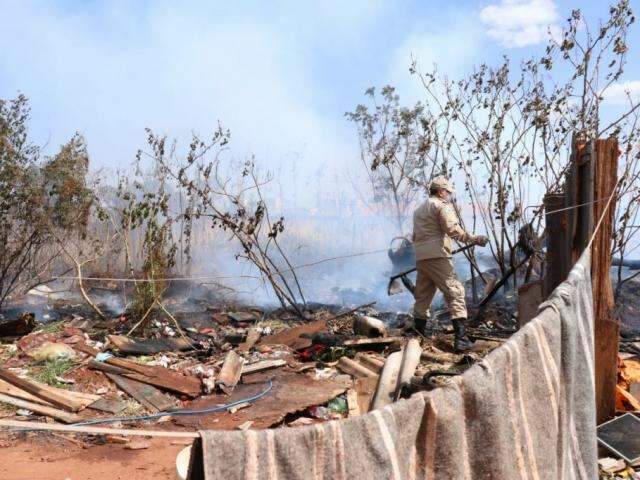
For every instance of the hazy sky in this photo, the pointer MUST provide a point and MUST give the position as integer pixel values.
(279, 74)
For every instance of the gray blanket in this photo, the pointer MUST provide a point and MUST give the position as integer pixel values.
(526, 411)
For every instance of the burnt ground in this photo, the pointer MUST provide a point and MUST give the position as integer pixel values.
(305, 390)
(308, 388)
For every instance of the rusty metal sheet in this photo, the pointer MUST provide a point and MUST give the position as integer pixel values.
(291, 336)
(292, 392)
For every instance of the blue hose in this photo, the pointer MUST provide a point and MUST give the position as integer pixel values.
(219, 408)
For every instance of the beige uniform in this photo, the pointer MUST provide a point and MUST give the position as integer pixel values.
(435, 223)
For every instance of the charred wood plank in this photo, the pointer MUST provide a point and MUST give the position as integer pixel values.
(160, 377)
(148, 346)
(146, 395)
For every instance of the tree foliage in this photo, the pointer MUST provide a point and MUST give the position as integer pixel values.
(37, 198)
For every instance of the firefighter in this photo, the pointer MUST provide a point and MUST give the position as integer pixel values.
(435, 223)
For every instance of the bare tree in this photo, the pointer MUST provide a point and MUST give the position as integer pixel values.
(234, 204)
(394, 151)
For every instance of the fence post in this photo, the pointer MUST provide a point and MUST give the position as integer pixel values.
(557, 263)
(607, 327)
(585, 186)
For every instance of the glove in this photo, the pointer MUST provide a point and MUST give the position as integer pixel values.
(480, 240)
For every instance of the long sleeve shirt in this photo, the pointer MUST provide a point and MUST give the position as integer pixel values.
(435, 223)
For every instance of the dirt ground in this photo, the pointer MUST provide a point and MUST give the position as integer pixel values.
(43, 457)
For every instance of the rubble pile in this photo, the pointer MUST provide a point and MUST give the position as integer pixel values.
(221, 368)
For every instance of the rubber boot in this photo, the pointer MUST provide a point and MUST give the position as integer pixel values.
(420, 324)
(461, 342)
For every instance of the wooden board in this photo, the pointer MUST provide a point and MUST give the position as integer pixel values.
(160, 377)
(65, 402)
(146, 395)
(190, 386)
(108, 405)
(262, 366)
(148, 346)
(352, 403)
(63, 416)
(81, 397)
(13, 391)
(16, 392)
(105, 367)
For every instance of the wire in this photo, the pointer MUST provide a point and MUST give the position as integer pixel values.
(304, 265)
(601, 220)
(549, 212)
(219, 408)
(581, 205)
(151, 280)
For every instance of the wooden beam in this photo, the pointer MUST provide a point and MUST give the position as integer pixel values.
(94, 430)
(66, 402)
(63, 416)
(607, 327)
(13, 391)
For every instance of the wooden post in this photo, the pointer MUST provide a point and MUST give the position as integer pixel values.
(585, 186)
(557, 264)
(572, 196)
(607, 327)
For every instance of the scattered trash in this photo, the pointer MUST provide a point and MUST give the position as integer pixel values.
(369, 327)
(137, 445)
(117, 439)
(52, 352)
(329, 367)
(246, 425)
(611, 465)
